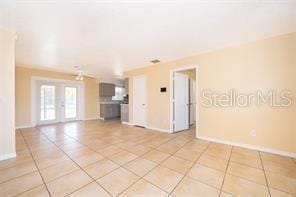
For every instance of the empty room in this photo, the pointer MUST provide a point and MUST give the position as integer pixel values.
(148, 98)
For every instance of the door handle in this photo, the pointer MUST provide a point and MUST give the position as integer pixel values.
(143, 104)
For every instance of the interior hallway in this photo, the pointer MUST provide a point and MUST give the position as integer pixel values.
(96, 158)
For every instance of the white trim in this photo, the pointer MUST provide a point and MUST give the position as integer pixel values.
(24, 126)
(34, 80)
(248, 146)
(92, 118)
(158, 129)
(126, 123)
(7, 156)
(100, 118)
(171, 130)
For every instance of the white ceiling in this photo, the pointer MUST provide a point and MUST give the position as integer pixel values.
(107, 38)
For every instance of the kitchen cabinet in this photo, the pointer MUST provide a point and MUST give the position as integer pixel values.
(108, 111)
(124, 113)
(107, 89)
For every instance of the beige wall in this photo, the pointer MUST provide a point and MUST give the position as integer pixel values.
(23, 93)
(261, 65)
(190, 72)
(7, 94)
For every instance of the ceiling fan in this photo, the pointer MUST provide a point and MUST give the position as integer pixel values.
(79, 76)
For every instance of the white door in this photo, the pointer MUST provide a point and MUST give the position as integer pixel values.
(69, 103)
(181, 102)
(47, 103)
(139, 101)
(192, 101)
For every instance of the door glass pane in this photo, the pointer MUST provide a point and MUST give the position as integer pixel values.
(70, 102)
(47, 107)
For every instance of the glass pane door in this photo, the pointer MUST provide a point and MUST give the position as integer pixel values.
(47, 100)
(57, 102)
(70, 102)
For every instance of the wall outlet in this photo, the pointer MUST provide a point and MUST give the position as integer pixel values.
(253, 133)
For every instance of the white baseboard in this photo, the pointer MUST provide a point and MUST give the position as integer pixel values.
(24, 126)
(127, 123)
(7, 156)
(158, 129)
(92, 118)
(252, 147)
(100, 118)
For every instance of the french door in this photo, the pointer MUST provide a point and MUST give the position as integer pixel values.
(47, 103)
(57, 102)
(69, 103)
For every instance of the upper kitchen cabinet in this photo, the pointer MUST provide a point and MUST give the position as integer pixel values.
(107, 89)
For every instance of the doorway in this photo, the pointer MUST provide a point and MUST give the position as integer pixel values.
(139, 101)
(58, 101)
(183, 99)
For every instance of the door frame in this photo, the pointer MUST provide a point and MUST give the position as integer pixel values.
(172, 71)
(34, 81)
(133, 105)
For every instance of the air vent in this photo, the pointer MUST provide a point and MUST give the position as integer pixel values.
(155, 61)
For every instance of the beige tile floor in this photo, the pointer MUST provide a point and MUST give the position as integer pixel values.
(96, 158)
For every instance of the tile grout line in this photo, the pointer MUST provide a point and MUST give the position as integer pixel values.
(185, 175)
(158, 164)
(85, 186)
(29, 190)
(18, 176)
(246, 165)
(72, 161)
(34, 163)
(142, 177)
(114, 144)
(10, 179)
(242, 176)
(140, 156)
(152, 148)
(221, 189)
(94, 180)
(98, 152)
(124, 149)
(264, 174)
